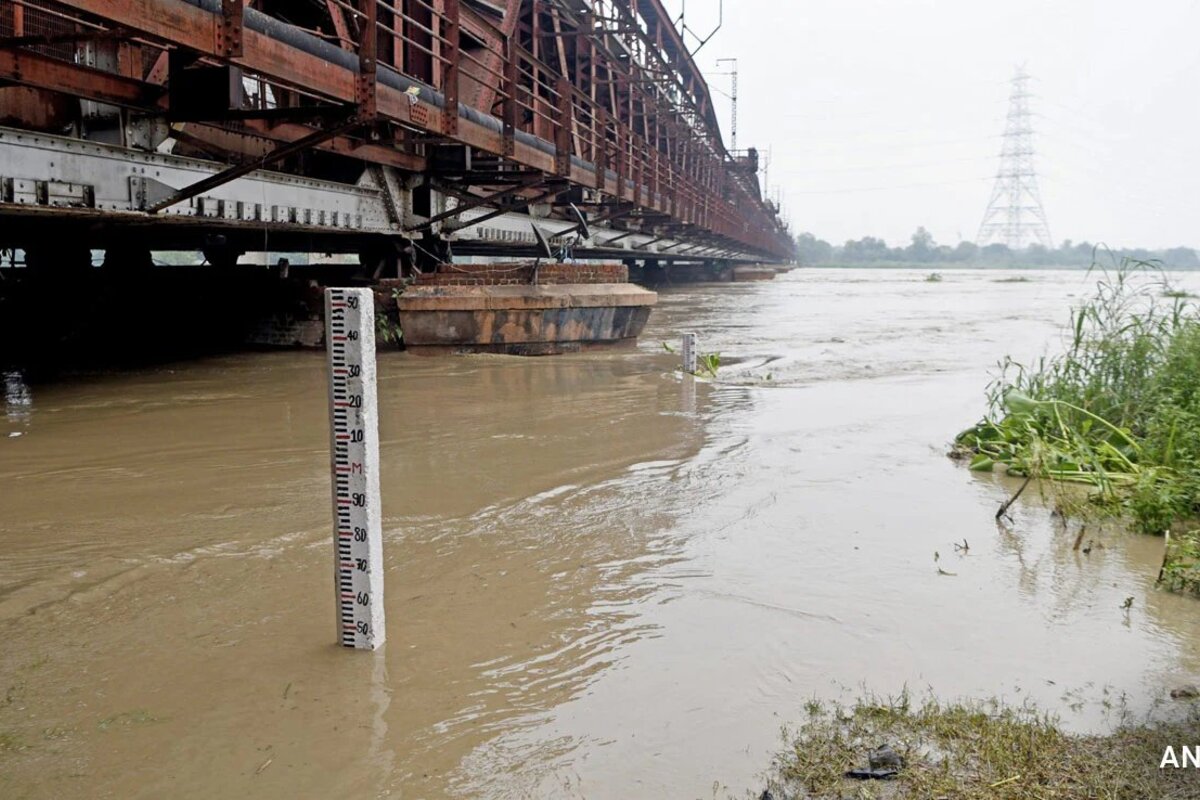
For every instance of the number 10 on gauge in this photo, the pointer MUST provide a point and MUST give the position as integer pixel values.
(354, 461)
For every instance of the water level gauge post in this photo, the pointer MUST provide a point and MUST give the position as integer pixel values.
(689, 353)
(354, 466)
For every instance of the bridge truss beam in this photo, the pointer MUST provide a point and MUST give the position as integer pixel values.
(472, 96)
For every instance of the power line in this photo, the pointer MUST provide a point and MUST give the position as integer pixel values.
(885, 135)
(893, 186)
(882, 167)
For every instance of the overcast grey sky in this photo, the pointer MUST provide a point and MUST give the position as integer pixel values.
(883, 115)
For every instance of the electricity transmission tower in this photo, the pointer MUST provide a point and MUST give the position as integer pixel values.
(1015, 215)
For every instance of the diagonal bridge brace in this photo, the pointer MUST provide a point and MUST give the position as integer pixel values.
(551, 189)
(467, 201)
(233, 173)
(616, 212)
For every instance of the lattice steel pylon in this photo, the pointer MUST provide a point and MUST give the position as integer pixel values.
(1015, 215)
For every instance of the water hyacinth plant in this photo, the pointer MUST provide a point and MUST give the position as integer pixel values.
(1118, 412)
(708, 364)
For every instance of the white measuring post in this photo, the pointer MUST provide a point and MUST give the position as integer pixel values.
(689, 352)
(354, 460)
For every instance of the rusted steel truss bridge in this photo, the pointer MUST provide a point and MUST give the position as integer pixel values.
(398, 130)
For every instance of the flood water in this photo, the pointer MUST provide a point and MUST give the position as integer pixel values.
(603, 580)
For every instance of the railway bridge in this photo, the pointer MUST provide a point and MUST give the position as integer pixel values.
(391, 134)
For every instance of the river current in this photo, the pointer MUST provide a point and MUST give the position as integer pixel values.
(603, 579)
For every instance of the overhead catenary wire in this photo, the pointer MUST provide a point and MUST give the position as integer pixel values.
(892, 187)
(883, 167)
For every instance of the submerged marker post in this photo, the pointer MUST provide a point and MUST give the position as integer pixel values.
(689, 353)
(354, 464)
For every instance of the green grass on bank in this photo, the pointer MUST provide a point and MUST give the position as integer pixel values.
(1117, 412)
(975, 751)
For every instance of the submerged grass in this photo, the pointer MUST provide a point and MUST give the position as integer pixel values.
(1117, 412)
(971, 751)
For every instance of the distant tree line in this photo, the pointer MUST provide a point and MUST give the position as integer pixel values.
(923, 250)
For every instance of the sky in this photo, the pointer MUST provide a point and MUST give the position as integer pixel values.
(882, 116)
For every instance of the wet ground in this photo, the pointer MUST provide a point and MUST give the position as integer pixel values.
(603, 580)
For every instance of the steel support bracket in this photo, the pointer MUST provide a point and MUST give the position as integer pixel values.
(146, 192)
(365, 84)
(229, 29)
(391, 191)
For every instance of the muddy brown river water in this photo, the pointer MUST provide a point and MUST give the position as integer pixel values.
(603, 580)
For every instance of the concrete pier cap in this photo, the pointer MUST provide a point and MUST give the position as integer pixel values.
(498, 308)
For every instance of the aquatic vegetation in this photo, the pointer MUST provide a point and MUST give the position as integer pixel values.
(708, 364)
(1118, 412)
(974, 750)
(387, 330)
(387, 321)
(1181, 564)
